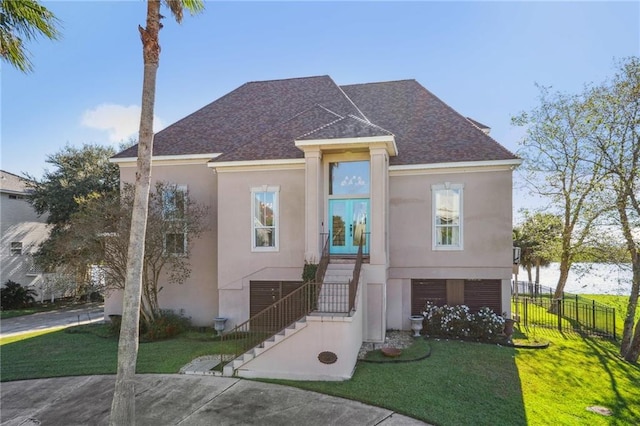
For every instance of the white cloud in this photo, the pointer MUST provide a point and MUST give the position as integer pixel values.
(122, 122)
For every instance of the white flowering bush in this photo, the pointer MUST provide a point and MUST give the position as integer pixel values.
(458, 322)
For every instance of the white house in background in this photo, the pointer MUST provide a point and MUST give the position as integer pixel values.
(289, 164)
(22, 231)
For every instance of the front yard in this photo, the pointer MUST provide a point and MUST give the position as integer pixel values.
(460, 383)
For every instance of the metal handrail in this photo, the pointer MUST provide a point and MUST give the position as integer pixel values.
(353, 283)
(280, 315)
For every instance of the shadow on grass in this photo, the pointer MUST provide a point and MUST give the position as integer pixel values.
(616, 369)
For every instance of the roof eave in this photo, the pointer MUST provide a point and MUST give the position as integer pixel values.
(350, 144)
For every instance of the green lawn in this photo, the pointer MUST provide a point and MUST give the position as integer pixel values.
(459, 383)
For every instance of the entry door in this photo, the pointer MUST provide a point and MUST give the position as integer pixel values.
(348, 224)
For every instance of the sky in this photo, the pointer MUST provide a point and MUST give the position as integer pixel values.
(481, 58)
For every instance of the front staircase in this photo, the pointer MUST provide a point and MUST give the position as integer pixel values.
(329, 299)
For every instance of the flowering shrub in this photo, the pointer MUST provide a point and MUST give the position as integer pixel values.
(458, 322)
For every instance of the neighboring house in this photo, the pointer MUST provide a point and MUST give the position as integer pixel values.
(22, 232)
(286, 163)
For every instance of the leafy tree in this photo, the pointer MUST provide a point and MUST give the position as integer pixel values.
(100, 234)
(20, 21)
(79, 174)
(559, 169)
(538, 237)
(14, 295)
(123, 404)
(614, 117)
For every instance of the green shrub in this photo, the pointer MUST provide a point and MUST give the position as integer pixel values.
(14, 295)
(458, 322)
(166, 325)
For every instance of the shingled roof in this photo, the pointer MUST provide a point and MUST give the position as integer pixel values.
(262, 121)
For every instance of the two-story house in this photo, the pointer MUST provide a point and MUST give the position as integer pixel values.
(291, 167)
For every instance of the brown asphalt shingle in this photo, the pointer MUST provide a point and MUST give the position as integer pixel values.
(261, 121)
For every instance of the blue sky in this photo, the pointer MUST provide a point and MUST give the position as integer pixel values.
(482, 58)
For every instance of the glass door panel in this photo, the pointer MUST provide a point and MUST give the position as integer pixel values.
(348, 224)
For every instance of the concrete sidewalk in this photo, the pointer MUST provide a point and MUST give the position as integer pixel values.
(165, 399)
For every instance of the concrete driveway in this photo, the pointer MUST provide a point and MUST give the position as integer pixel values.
(170, 399)
(82, 314)
(183, 400)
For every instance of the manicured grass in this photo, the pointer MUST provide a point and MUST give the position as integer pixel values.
(620, 303)
(459, 383)
(482, 384)
(90, 349)
(575, 372)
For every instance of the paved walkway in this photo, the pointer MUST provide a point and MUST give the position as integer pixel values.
(170, 399)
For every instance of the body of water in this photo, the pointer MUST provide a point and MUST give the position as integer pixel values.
(586, 278)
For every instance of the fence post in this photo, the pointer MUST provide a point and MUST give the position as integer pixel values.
(560, 309)
(593, 313)
(614, 323)
(577, 319)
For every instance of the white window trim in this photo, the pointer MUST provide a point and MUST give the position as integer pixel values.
(276, 217)
(438, 187)
(164, 245)
(179, 188)
(14, 251)
(184, 189)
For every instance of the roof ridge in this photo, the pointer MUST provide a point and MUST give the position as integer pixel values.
(381, 82)
(349, 99)
(288, 79)
(369, 123)
(324, 126)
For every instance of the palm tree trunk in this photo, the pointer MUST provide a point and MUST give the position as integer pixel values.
(123, 404)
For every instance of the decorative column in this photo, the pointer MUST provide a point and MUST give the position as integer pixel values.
(379, 188)
(313, 205)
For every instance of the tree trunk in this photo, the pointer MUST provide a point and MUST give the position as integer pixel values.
(633, 351)
(123, 404)
(565, 266)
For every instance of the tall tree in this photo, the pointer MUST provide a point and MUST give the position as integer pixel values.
(99, 234)
(20, 21)
(553, 148)
(78, 174)
(123, 404)
(615, 135)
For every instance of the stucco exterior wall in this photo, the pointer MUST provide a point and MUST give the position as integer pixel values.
(296, 358)
(197, 297)
(239, 265)
(487, 239)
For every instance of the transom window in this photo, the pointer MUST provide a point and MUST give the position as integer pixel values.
(447, 216)
(265, 218)
(349, 178)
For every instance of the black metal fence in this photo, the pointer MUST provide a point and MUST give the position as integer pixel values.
(535, 305)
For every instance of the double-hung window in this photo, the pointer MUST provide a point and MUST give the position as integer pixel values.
(447, 216)
(265, 218)
(174, 209)
(16, 248)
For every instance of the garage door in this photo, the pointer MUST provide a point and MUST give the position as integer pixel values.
(480, 293)
(434, 291)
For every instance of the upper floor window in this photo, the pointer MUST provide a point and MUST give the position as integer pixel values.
(174, 202)
(174, 205)
(16, 248)
(447, 216)
(265, 220)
